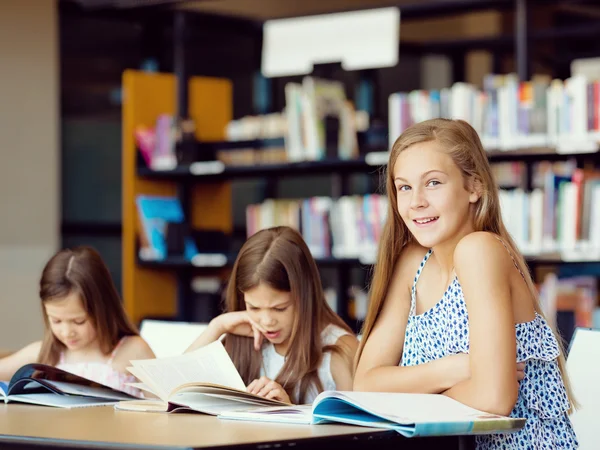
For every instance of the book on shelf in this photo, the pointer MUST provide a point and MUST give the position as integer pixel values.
(347, 227)
(575, 296)
(320, 121)
(408, 414)
(44, 385)
(560, 215)
(156, 215)
(157, 144)
(510, 114)
(204, 380)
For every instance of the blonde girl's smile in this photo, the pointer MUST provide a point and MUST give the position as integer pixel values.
(424, 222)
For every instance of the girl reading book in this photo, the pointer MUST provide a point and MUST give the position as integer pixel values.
(453, 308)
(86, 330)
(283, 338)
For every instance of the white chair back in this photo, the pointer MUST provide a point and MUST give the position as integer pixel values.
(169, 338)
(583, 367)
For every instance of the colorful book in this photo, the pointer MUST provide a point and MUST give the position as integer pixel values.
(44, 385)
(155, 213)
(408, 414)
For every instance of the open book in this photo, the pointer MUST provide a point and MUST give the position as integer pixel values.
(408, 414)
(204, 381)
(44, 385)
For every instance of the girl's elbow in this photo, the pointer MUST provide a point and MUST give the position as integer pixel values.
(360, 383)
(501, 401)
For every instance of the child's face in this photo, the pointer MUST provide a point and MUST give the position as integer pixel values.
(432, 199)
(274, 311)
(69, 322)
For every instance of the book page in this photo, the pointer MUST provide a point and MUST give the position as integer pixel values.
(147, 392)
(401, 408)
(3, 388)
(147, 385)
(210, 389)
(59, 401)
(209, 364)
(300, 414)
(88, 391)
(208, 403)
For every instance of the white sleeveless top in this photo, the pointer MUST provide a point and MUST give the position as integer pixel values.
(103, 372)
(273, 362)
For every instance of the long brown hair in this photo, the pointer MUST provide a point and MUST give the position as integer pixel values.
(462, 143)
(280, 258)
(81, 270)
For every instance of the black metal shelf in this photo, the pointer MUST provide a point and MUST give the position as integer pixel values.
(179, 262)
(538, 154)
(499, 42)
(325, 166)
(340, 166)
(100, 228)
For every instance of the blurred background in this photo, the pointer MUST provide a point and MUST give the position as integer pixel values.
(163, 133)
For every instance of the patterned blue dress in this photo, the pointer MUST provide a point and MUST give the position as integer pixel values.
(444, 330)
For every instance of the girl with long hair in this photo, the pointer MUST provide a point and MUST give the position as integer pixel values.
(282, 336)
(86, 329)
(453, 309)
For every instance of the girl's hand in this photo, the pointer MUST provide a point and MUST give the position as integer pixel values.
(269, 389)
(239, 323)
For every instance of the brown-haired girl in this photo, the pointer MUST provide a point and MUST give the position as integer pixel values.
(87, 331)
(453, 309)
(283, 338)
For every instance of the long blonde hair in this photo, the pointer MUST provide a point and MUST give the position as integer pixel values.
(280, 258)
(462, 143)
(81, 270)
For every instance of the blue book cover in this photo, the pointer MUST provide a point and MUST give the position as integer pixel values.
(408, 414)
(155, 213)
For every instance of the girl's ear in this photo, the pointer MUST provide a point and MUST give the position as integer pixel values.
(476, 189)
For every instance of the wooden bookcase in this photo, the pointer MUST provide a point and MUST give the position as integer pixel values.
(150, 292)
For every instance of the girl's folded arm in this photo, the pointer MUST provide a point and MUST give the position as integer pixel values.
(378, 368)
(482, 266)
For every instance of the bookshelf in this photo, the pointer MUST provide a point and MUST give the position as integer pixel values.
(161, 288)
(148, 292)
(373, 163)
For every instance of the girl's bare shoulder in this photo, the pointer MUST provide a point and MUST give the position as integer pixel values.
(134, 347)
(409, 260)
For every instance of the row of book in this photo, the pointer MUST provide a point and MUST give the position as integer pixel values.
(568, 302)
(321, 122)
(347, 227)
(560, 215)
(156, 144)
(318, 122)
(509, 114)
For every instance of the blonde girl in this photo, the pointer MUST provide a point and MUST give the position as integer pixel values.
(453, 308)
